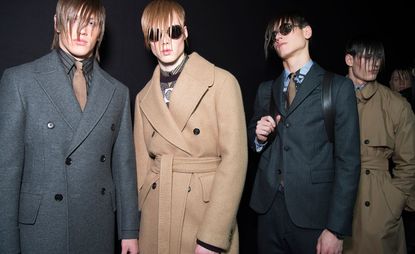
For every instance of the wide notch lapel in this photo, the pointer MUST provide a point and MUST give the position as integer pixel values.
(310, 82)
(52, 78)
(155, 110)
(99, 98)
(195, 79)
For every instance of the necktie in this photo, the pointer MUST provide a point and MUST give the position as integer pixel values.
(79, 85)
(291, 91)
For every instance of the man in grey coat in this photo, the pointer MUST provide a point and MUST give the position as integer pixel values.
(67, 163)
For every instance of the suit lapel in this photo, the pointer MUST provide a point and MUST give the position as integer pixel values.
(99, 98)
(194, 81)
(157, 113)
(54, 81)
(311, 81)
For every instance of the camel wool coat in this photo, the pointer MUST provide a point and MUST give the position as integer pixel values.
(387, 131)
(191, 160)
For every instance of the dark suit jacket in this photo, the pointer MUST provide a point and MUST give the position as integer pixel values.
(63, 172)
(320, 178)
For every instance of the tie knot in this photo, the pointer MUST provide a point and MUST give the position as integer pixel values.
(291, 75)
(78, 65)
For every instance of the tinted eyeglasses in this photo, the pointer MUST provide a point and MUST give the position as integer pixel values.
(174, 32)
(284, 29)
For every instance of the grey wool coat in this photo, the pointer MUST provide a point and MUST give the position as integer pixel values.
(64, 174)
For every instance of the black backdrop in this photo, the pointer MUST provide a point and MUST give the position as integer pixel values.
(227, 32)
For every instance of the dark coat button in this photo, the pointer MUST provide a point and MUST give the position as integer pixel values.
(68, 161)
(367, 203)
(103, 191)
(58, 197)
(51, 125)
(286, 148)
(367, 171)
(189, 189)
(113, 127)
(196, 131)
(152, 134)
(367, 141)
(154, 185)
(103, 158)
(279, 171)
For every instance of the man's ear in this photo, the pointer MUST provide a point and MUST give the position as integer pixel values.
(55, 24)
(349, 60)
(308, 32)
(186, 34)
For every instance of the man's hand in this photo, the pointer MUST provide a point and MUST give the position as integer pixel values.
(329, 244)
(265, 126)
(201, 250)
(129, 246)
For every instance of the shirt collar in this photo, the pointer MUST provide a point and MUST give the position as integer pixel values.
(303, 70)
(68, 62)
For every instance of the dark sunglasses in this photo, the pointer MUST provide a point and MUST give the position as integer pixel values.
(284, 29)
(174, 32)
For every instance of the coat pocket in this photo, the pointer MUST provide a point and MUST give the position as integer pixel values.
(29, 205)
(323, 176)
(395, 199)
(145, 189)
(206, 181)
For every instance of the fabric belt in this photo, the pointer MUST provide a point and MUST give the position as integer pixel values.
(165, 165)
(375, 163)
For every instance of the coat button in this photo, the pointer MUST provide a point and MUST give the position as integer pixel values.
(154, 185)
(367, 171)
(51, 125)
(103, 158)
(58, 197)
(113, 127)
(287, 125)
(286, 148)
(152, 134)
(279, 171)
(367, 203)
(189, 189)
(196, 131)
(367, 141)
(103, 191)
(68, 161)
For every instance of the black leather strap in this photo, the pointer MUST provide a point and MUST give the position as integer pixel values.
(327, 103)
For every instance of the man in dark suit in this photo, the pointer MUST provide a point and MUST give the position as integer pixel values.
(305, 187)
(67, 158)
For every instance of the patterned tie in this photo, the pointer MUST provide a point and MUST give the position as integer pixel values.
(291, 91)
(79, 85)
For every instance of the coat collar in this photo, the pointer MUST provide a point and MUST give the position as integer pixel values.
(55, 83)
(195, 79)
(367, 92)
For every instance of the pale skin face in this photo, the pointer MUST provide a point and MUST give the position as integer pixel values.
(399, 80)
(82, 46)
(362, 70)
(170, 52)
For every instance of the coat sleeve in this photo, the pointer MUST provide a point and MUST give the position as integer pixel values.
(403, 156)
(220, 217)
(125, 178)
(346, 158)
(12, 121)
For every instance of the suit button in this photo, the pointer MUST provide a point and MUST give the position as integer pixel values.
(154, 185)
(279, 171)
(103, 191)
(103, 158)
(367, 203)
(51, 125)
(68, 161)
(367, 171)
(113, 127)
(366, 141)
(196, 131)
(58, 197)
(286, 148)
(287, 125)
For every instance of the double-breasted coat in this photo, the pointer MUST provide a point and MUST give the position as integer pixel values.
(387, 130)
(191, 160)
(64, 174)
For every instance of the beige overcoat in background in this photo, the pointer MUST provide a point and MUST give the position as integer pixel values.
(387, 130)
(191, 160)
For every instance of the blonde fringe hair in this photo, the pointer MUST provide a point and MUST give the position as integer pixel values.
(159, 14)
(67, 13)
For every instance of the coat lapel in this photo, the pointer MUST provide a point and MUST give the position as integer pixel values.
(159, 116)
(194, 81)
(54, 81)
(99, 98)
(311, 81)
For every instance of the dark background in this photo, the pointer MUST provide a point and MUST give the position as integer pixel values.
(228, 33)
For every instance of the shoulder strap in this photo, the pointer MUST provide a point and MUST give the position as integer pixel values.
(327, 103)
